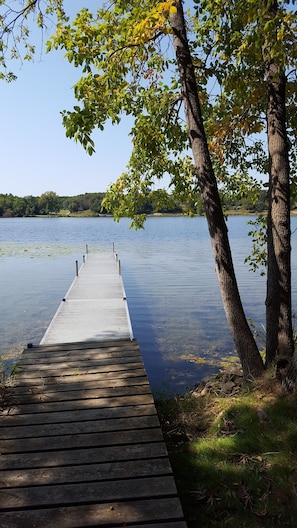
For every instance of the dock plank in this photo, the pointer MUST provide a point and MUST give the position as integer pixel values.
(56, 406)
(78, 440)
(83, 473)
(146, 513)
(84, 393)
(87, 492)
(74, 457)
(76, 415)
(30, 379)
(115, 426)
(53, 385)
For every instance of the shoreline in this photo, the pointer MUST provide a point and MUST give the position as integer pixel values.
(89, 214)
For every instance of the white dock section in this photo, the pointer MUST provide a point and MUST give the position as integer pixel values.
(95, 306)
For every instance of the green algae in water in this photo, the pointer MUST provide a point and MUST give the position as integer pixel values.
(8, 249)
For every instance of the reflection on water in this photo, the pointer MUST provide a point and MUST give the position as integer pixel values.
(169, 278)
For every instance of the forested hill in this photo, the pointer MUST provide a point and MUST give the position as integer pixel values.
(90, 204)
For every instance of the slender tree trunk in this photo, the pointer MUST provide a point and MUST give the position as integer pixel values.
(247, 350)
(279, 338)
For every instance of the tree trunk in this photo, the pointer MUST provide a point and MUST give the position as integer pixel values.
(247, 350)
(279, 332)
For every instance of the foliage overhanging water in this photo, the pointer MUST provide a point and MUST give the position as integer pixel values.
(170, 282)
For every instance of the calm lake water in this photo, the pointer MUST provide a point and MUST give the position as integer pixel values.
(170, 282)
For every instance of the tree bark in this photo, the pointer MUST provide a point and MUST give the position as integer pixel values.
(279, 332)
(247, 350)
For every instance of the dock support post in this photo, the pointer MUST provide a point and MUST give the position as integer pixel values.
(87, 249)
(119, 263)
(84, 259)
(76, 267)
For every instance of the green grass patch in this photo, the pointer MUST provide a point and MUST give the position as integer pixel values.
(234, 458)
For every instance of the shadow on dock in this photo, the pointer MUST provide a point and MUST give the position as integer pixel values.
(81, 443)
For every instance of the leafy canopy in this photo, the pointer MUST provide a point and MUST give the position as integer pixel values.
(126, 66)
(126, 58)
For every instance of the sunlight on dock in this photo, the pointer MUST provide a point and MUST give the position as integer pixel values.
(95, 306)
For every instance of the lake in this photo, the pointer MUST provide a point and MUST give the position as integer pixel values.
(170, 282)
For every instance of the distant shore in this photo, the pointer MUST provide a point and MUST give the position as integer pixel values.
(89, 214)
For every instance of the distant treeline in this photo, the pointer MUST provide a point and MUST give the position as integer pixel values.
(49, 203)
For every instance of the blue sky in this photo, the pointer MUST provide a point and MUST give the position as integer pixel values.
(36, 156)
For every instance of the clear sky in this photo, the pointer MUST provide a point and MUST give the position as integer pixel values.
(36, 156)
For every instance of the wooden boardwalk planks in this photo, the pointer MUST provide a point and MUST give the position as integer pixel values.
(81, 443)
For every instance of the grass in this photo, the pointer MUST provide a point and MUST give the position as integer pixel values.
(234, 458)
(1, 379)
(9, 367)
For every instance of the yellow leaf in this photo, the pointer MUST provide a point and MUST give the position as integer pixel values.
(172, 10)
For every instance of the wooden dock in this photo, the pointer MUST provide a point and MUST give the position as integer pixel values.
(80, 440)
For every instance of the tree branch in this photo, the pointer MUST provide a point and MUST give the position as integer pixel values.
(8, 28)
